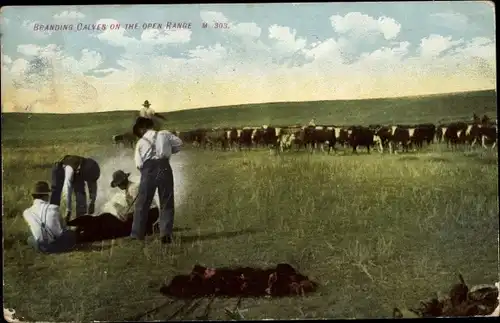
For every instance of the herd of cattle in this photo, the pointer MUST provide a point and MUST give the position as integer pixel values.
(392, 138)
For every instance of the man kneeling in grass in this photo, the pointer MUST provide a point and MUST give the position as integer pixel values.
(123, 201)
(49, 234)
(115, 219)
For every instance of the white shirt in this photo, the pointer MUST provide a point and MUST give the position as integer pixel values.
(147, 112)
(44, 212)
(122, 201)
(166, 144)
(68, 184)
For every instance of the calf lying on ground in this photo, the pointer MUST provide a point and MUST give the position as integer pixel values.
(282, 280)
(106, 226)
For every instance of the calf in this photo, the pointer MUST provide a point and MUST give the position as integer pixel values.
(127, 139)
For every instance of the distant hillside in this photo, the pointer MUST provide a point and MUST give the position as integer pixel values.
(96, 127)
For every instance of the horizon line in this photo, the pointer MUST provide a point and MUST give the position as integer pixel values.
(269, 103)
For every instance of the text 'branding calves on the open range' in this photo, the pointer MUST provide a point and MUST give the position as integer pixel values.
(128, 26)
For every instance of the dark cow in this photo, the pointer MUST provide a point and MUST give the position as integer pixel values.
(341, 135)
(320, 135)
(450, 132)
(246, 137)
(401, 135)
(270, 136)
(197, 137)
(489, 135)
(127, 139)
(471, 135)
(360, 136)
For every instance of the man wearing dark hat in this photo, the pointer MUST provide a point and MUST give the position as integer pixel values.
(119, 206)
(148, 112)
(72, 172)
(45, 223)
(152, 157)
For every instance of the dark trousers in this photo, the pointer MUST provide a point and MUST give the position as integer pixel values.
(154, 174)
(65, 242)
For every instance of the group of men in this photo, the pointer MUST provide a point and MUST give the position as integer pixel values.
(152, 154)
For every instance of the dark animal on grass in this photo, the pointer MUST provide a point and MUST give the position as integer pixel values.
(283, 280)
(106, 226)
(461, 301)
(246, 137)
(450, 133)
(360, 136)
(127, 139)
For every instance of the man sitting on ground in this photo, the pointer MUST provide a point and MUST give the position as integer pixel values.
(49, 235)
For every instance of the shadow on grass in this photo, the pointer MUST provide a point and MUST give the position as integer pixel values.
(438, 159)
(215, 235)
(409, 157)
(43, 166)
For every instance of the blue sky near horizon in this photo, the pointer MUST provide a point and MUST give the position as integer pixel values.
(266, 45)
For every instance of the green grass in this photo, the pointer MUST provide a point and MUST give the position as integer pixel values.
(376, 231)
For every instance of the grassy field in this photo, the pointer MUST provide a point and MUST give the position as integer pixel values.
(375, 231)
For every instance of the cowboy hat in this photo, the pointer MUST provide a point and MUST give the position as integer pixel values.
(119, 177)
(146, 104)
(41, 188)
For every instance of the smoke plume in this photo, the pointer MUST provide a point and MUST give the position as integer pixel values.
(124, 160)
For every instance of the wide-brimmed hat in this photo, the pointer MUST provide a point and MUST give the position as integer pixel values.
(146, 104)
(119, 177)
(142, 123)
(40, 188)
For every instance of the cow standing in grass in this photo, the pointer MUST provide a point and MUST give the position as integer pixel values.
(126, 139)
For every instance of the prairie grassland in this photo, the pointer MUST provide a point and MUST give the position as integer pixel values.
(375, 231)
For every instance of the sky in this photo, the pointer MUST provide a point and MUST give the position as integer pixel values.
(264, 53)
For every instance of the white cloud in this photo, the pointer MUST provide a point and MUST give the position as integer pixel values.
(361, 25)
(69, 15)
(19, 66)
(211, 53)
(87, 61)
(433, 45)
(246, 29)
(286, 38)
(35, 50)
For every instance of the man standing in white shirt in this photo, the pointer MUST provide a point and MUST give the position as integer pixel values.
(72, 172)
(152, 154)
(44, 220)
(148, 112)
